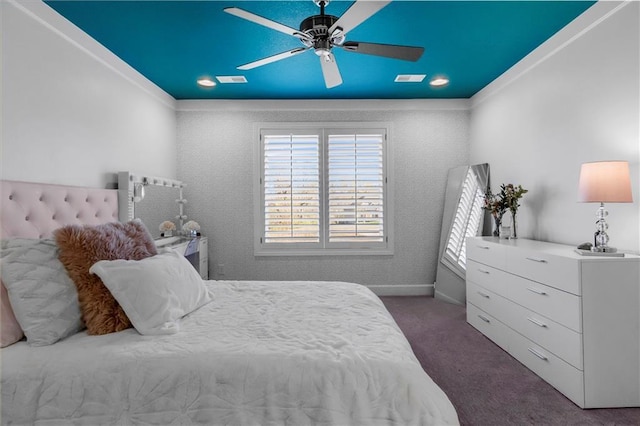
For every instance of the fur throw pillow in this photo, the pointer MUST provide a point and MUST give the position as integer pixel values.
(81, 247)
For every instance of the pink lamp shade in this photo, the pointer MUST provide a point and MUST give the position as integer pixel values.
(605, 182)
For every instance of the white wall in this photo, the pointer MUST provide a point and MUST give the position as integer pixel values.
(576, 99)
(216, 143)
(73, 113)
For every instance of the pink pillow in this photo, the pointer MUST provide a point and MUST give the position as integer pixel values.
(11, 331)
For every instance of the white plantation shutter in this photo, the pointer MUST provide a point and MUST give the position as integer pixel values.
(322, 190)
(291, 188)
(466, 223)
(356, 187)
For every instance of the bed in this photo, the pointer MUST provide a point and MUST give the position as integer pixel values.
(249, 353)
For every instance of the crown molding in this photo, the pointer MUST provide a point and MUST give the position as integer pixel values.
(49, 18)
(324, 105)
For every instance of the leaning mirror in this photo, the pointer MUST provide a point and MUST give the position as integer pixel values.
(463, 217)
(151, 199)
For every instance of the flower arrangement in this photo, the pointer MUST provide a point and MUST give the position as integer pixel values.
(167, 225)
(191, 227)
(506, 199)
(511, 196)
(494, 204)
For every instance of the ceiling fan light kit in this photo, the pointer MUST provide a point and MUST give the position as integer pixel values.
(324, 32)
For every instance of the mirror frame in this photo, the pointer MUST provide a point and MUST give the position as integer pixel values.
(450, 283)
(127, 193)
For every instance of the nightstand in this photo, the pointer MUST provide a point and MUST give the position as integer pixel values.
(195, 250)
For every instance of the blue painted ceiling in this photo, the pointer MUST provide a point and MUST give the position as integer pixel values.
(173, 43)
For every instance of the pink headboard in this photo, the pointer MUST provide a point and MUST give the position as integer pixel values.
(34, 210)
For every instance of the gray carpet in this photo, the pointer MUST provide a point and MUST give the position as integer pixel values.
(486, 385)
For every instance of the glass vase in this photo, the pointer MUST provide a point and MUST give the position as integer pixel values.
(497, 219)
(514, 227)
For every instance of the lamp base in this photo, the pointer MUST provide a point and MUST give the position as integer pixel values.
(604, 249)
(594, 253)
(600, 237)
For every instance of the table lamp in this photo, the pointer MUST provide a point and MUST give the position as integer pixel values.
(604, 182)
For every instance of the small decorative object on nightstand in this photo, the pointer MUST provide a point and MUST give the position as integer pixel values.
(167, 227)
(191, 228)
(600, 182)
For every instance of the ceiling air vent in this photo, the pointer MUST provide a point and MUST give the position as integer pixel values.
(231, 79)
(410, 78)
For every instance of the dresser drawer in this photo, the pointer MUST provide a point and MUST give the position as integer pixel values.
(556, 271)
(489, 326)
(561, 375)
(558, 339)
(488, 277)
(488, 301)
(563, 308)
(487, 253)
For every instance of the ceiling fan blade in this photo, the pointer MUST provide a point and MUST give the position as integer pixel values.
(270, 59)
(264, 22)
(407, 53)
(358, 12)
(330, 71)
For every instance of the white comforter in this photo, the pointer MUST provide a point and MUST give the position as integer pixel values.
(262, 353)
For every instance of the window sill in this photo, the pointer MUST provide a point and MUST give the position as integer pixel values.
(321, 252)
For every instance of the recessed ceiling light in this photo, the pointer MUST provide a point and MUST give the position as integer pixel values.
(439, 81)
(410, 78)
(231, 78)
(206, 82)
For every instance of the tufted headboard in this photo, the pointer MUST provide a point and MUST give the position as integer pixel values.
(34, 210)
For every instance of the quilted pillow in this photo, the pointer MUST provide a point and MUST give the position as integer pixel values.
(81, 247)
(42, 295)
(154, 292)
(11, 331)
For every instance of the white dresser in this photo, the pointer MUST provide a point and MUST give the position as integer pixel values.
(571, 319)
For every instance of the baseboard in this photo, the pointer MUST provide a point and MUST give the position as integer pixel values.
(403, 290)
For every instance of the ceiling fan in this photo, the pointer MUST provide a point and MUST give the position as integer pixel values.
(324, 32)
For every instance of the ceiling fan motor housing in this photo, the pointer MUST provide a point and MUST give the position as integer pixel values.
(317, 28)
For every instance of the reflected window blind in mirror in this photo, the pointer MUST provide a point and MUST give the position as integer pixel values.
(466, 222)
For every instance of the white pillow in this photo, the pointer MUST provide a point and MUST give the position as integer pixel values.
(43, 297)
(154, 292)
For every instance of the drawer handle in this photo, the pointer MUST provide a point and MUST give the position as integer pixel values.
(536, 291)
(537, 322)
(538, 354)
(535, 259)
(485, 319)
(485, 295)
(483, 247)
(484, 271)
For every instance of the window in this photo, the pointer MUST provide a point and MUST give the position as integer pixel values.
(323, 190)
(466, 223)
